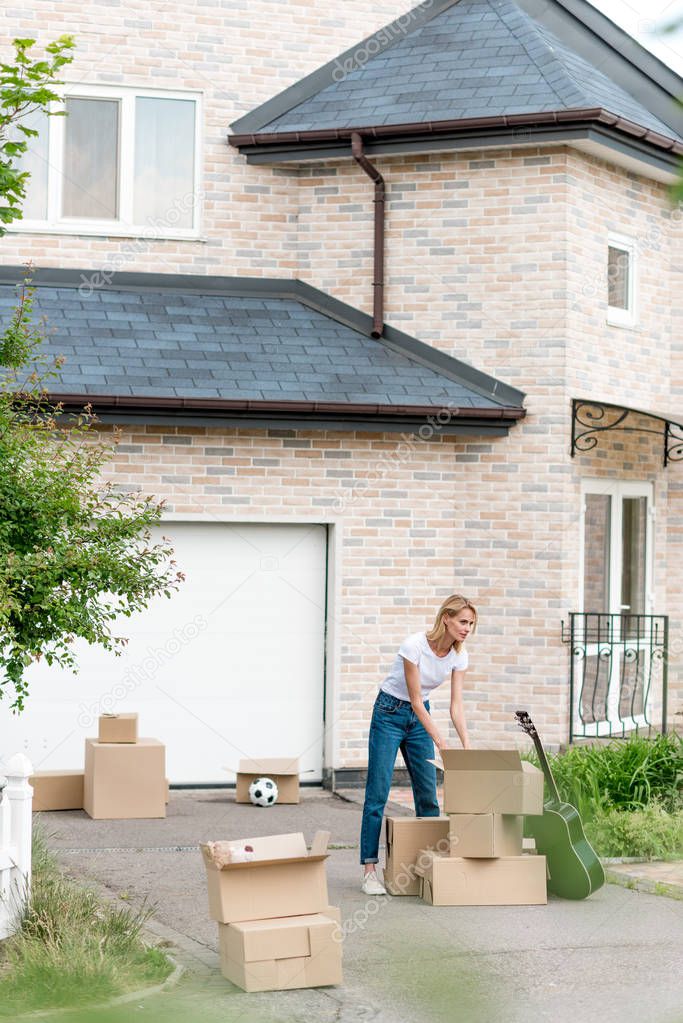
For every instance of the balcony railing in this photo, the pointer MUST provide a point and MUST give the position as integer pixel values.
(617, 673)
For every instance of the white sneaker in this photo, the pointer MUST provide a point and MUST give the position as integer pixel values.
(371, 885)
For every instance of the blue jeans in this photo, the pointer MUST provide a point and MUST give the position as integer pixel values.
(395, 726)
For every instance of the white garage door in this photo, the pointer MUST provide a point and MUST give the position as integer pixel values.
(231, 666)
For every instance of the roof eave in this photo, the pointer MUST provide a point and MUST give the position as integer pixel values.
(301, 415)
(248, 406)
(512, 123)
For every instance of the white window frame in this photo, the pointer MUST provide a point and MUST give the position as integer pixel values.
(123, 226)
(617, 490)
(617, 317)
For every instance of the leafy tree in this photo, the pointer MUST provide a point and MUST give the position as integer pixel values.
(74, 552)
(26, 85)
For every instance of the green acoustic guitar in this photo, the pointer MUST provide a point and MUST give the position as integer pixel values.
(575, 870)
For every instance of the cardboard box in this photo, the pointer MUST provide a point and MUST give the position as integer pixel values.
(124, 780)
(283, 880)
(118, 728)
(490, 781)
(485, 834)
(283, 770)
(505, 881)
(404, 838)
(57, 790)
(280, 954)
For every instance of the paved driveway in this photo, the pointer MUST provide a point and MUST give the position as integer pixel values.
(614, 958)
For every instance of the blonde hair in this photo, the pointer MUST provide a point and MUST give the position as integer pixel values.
(450, 607)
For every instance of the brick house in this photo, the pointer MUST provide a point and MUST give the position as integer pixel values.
(381, 320)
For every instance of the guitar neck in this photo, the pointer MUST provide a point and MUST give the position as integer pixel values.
(546, 767)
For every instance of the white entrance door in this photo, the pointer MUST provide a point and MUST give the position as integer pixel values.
(232, 666)
(613, 678)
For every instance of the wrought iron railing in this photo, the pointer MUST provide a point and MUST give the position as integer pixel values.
(617, 672)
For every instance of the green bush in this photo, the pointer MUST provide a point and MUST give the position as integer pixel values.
(647, 833)
(628, 774)
(73, 947)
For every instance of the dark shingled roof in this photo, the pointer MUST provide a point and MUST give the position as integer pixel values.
(477, 58)
(159, 342)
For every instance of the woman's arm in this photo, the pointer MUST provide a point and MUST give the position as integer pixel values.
(412, 673)
(457, 708)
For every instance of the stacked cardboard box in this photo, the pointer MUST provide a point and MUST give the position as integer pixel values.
(275, 928)
(475, 855)
(125, 776)
(405, 837)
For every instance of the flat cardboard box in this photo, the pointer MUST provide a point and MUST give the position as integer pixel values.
(281, 954)
(404, 838)
(283, 770)
(57, 790)
(118, 728)
(490, 781)
(485, 834)
(283, 880)
(125, 781)
(504, 881)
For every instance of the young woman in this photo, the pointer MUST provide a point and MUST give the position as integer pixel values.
(401, 720)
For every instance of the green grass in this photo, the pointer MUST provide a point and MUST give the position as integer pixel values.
(626, 773)
(73, 948)
(629, 794)
(648, 833)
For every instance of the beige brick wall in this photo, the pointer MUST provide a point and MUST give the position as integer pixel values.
(500, 259)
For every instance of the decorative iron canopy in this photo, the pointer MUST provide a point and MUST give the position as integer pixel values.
(590, 419)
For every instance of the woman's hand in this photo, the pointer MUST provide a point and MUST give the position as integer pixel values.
(440, 743)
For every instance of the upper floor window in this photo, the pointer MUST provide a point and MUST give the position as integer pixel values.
(121, 162)
(621, 281)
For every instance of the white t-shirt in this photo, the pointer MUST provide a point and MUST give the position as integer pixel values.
(433, 670)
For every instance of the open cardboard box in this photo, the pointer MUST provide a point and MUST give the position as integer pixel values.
(490, 781)
(284, 953)
(283, 770)
(485, 834)
(283, 879)
(404, 838)
(503, 881)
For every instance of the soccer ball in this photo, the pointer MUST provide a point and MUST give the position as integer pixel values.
(263, 792)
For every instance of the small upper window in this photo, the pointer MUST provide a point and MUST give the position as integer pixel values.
(621, 270)
(121, 162)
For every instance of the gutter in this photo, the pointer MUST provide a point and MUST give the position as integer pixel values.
(261, 406)
(378, 256)
(594, 115)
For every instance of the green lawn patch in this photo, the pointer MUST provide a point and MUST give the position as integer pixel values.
(74, 948)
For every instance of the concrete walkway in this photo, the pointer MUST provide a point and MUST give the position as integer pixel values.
(615, 957)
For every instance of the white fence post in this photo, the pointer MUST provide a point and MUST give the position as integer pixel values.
(16, 803)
